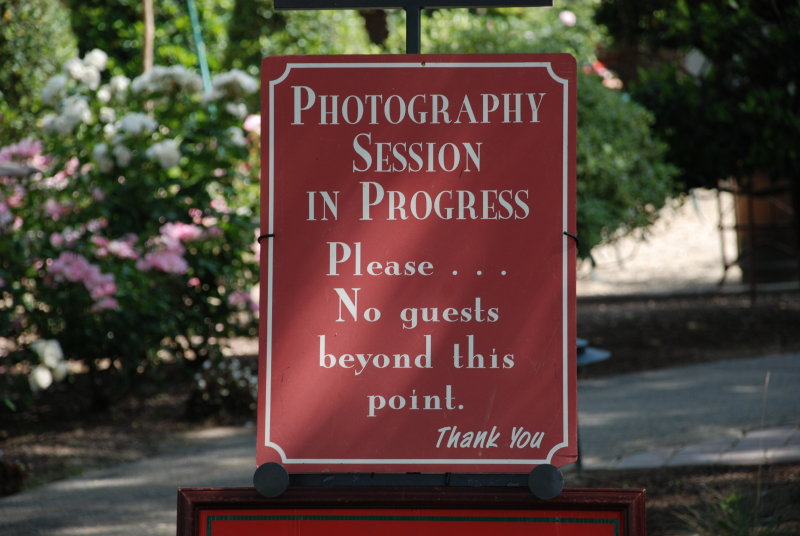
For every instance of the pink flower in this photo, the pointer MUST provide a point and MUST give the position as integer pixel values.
(6, 216)
(238, 298)
(100, 241)
(54, 210)
(27, 151)
(59, 181)
(241, 299)
(22, 150)
(72, 166)
(71, 236)
(15, 199)
(123, 248)
(196, 214)
(166, 243)
(165, 261)
(96, 224)
(75, 268)
(253, 123)
(220, 205)
(215, 232)
(100, 285)
(57, 240)
(105, 304)
(181, 232)
(69, 266)
(193, 282)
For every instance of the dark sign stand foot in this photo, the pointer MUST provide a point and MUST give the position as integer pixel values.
(271, 480)
(545, 481)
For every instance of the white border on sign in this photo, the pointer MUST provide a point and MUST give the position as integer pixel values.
(565, 264)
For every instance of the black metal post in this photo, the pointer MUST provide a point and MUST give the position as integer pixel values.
(413, 29)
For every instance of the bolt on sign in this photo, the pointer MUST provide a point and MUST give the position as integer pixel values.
(417, 270)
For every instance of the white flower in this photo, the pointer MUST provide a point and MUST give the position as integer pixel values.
(567, 18)
(97, 59)
(76, 110)
(167, 80)
(119, 83)
(107, 115)
(60, 371)
(100, 155)
(233, 84)
(74, 67)
(137, 123)
(90, 77)
(253, 123)
(236, 136)
(110, 129)
(238, 110)
(58, 124)
(696, 63)
(54, 89)
(166, 152)
(99, 150)
(50, 123)
(85, 73)
(104, 94)
(123, 155)
(142, 84)
(40, 378)
(49, 352)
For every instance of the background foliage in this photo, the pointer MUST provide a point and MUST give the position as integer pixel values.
(711, 70)
(117, 28)
(35, 39)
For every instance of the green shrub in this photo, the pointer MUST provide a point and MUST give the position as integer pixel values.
(722, 80)
(35, 39)
(118, 29)
(136, 243)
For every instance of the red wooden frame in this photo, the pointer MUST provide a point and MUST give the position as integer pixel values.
(625, 507)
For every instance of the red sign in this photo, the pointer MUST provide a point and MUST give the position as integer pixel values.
(354, 511)
(417, 282)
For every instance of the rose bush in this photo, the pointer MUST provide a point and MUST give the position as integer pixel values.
(134, 243)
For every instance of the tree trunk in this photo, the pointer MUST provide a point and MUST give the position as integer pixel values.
(149, 35)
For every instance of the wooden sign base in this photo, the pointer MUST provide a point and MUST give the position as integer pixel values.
(396, 510)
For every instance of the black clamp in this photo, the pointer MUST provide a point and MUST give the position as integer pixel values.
(574, 237)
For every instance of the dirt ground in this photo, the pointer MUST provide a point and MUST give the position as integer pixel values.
(58, 439)
(682, 329)
(711, 501)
